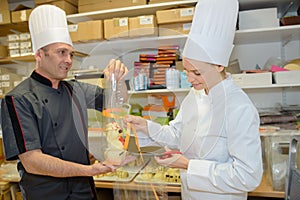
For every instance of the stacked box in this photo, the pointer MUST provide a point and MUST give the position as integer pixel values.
(69, 6)
(3, 51)
(73, 30)
(4, 12)
(95, 5)
(19, 44)
(175, 21)
(20, 15)
(141, 75)
(143, 26)
(116, 28)
(252, 79)
(25, 44)
(258, 18)
(175, 15)
(73, 2)
(175, 28)
(90, 31)
(9, 80)
(13, 45)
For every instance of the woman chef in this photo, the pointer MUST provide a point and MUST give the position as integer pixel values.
(217, 127)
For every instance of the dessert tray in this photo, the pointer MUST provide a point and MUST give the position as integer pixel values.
(153, 173)
(124, 173)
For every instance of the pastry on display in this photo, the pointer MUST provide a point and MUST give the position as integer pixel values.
(114, 153)
(159, 174)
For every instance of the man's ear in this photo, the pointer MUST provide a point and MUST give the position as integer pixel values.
(38, 55)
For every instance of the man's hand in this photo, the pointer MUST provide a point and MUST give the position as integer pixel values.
(117, 68)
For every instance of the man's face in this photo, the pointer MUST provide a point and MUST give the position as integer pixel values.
(55, 60)
(202, 75)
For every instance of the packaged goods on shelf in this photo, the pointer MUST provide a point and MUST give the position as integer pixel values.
(20, 15)
(9, 81)
(175, 15)
(287, 77)
(19, 45)
(259, 18)
(174, 29)
(252, 79)
(88, 6)
(141, 76)
(90, 31)
(14, 52)
(172, 79)
(143, 26)
(116, 28)
(24, 37)
(13, 37)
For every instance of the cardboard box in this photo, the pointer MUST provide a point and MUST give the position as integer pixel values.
(74, 2)
(174, 29)
(20, 16)
(5, 17)
(4, 5)
(252, 79)
(259, 18)
(86, 2)
(116, 28)
(143, 26)
(175, 15)
(73, 30)
(66, 6)
(24, 36)
(160, 1)
(90, 30)
(109, 4)
(287, 77)
(3, 51)
(14, 52)
(13, 37)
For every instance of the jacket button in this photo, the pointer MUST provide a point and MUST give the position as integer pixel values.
(46, 100)
(55, 124)
(63, 148)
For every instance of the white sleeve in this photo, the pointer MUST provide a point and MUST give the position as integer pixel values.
(167, 135)
(243, 170)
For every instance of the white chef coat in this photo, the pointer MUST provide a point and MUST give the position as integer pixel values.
(219, 133)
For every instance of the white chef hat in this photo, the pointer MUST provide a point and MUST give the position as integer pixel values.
(212, 32)
(47, 25)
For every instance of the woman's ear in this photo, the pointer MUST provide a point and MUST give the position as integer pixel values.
(220, 68)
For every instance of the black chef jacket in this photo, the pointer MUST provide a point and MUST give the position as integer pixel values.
(37, 116)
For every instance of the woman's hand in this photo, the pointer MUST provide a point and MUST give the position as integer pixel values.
(172, 158)
(139, 123)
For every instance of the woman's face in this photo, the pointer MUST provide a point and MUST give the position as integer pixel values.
(202, 75)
